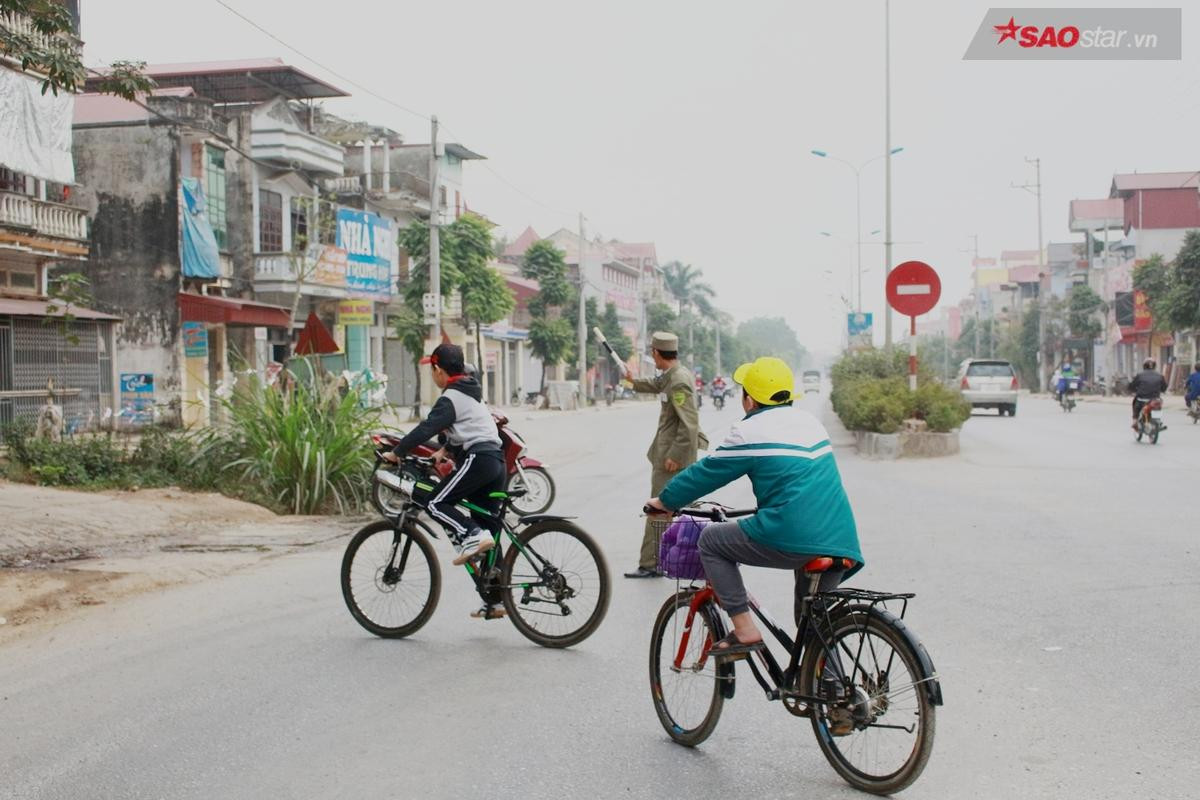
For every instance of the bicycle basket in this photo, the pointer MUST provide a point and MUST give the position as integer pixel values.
(679, 547)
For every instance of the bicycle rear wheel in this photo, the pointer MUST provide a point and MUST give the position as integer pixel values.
(391, 580)
(687, 697)
(880, 736)
(554, 584)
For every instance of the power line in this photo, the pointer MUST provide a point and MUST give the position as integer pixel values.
(382, 98)
(328, 69)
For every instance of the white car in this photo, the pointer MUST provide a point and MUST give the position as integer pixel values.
(989, 383)
(811, 381)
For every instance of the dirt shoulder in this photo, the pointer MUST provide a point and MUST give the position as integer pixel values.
(63, 551)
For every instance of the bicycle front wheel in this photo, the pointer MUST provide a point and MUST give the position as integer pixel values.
(554, 584)
(390, 578)
(878, 735)
(685, 682)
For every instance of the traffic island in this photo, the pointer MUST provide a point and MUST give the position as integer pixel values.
(914, 440)
(906, 444)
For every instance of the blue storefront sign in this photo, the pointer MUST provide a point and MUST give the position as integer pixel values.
(859, 328)
(195, 340)
(137, 398)
(369, 242)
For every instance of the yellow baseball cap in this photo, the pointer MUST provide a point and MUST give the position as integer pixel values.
(768, 380)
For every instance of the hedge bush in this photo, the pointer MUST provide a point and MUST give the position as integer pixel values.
(870, 393)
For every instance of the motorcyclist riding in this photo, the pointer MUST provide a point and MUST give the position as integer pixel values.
(1062, 383)
(1193, 385)
(1147, 385)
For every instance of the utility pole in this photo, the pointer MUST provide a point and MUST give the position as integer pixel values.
(718, 321)
(978, 297)
(582, 360)
(1035, 188)
(435, 210)
(887, 163)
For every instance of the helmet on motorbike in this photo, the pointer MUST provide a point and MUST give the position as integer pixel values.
(1149, 363)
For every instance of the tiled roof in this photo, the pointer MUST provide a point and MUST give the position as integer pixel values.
(523, 242)
(1130, 182)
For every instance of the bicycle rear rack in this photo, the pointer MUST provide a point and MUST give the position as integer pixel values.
(846, 595)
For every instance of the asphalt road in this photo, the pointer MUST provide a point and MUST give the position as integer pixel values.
(1056, 575)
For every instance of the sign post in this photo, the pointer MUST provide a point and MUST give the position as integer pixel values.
(913, 289)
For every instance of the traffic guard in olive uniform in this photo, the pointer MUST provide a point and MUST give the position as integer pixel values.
(678, 435)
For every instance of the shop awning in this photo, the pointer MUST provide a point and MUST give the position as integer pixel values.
(37, 308)
(232, 311)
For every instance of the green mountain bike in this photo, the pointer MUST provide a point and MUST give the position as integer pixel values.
(547, 571)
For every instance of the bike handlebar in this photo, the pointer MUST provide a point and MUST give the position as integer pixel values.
(716, 514)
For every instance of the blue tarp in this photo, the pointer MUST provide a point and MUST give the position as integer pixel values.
(200, 259)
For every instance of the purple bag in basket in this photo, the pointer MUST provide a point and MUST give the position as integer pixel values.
(679, 551)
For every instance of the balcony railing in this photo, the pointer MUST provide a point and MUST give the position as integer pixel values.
(42, 217)
(294, 147)
(20, 25)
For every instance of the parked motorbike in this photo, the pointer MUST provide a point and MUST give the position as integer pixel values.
(524, 472)
(1150, 422)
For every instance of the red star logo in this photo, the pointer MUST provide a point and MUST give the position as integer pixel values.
(1008, 31)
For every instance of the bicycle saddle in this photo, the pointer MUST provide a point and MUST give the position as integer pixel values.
(826, 563)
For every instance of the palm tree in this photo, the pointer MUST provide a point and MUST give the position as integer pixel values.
(684, 283)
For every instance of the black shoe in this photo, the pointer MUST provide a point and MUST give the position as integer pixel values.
(642, 572)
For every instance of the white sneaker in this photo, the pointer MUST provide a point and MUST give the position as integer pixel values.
(473, 546)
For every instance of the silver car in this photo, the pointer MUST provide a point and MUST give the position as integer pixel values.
(989, 383)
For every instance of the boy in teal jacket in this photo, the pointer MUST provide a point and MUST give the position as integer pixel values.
(803, 511)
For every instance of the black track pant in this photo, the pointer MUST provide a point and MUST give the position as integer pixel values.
(479, 474)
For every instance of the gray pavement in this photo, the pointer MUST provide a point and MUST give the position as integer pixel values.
(1056, 573)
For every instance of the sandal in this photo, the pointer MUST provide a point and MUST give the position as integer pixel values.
(490, 612)
(730, 648)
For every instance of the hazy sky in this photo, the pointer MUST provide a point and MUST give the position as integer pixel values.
(690, 124)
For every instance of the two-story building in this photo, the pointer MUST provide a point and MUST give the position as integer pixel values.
(45, 354)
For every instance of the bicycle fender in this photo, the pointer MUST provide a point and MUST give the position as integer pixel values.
(932, 685)
(534, 518)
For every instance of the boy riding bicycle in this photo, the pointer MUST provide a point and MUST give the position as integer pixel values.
(461, 421)
(803, 511)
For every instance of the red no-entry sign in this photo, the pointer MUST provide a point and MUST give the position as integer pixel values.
(913, 288)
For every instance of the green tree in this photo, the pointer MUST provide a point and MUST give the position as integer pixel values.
(1182, 306)
(550, 340)
(660, 317)
(610, 326)
(684, 283)
(486, 297)
(772, 336)
(551, 337)
(1153, 278)
(543, 262)
(1081, 319)
(591, 318)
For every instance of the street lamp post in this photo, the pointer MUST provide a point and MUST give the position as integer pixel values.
(858, 204)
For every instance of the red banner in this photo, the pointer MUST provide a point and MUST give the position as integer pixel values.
(1142, 320)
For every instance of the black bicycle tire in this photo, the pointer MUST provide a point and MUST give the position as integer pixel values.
(524, 512)
(513, 607)
(693, 736)
(883, 625)
(435, 579)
